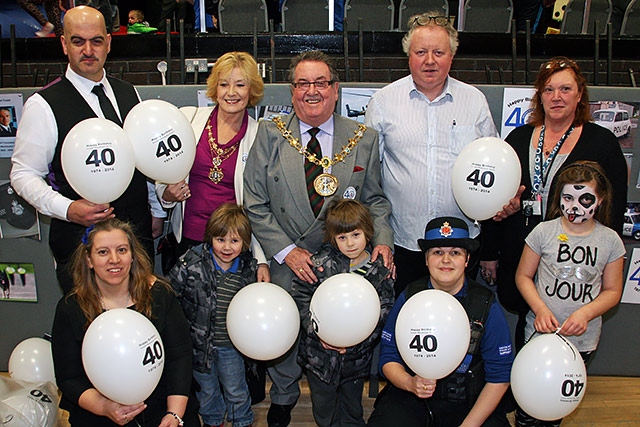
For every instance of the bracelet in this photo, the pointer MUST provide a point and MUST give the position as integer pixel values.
(177, 417)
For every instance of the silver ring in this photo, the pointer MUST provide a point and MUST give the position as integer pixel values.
(184, 194)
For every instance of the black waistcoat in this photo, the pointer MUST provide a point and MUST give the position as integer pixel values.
(70, 108)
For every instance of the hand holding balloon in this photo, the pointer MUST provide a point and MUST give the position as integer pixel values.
(176, 192)
(86, 213)
(510, 208)
(422, 387)
(340, 350)
(95, 402)
(545, 321)
(576, 324)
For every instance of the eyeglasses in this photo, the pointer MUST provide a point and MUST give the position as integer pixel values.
(319, 84)
(558, 63)
(581, 273)
(441, 21)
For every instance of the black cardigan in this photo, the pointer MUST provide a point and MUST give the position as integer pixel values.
(66, 344)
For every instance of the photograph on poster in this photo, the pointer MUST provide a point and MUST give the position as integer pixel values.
(267, 112)
(354, 101)
(619, 117)
(17, 282)
(10, 113)
(17, 217)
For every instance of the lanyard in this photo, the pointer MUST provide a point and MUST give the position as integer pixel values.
(541, 170)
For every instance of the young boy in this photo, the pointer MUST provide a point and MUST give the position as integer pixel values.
(336, 375)
(206, 278)
(137, 24)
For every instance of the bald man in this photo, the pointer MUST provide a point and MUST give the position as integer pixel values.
(48, 116)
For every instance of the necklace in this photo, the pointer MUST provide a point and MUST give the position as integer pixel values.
(218, 155)
(325, 184)
(104, 306)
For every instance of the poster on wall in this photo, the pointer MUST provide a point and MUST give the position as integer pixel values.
(631, 291)
(10, 113)
(17, 217)
(515, 108)
(17, 282)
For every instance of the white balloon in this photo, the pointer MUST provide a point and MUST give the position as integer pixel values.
(31, 361)
(30, 405)
(432, 333)
(123, 355)
(486, 175)
(263, 321)
(548, 377)
(163, 141)
(344, 310)
(97, 160)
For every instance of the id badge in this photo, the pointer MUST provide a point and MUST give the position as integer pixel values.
(532, 207)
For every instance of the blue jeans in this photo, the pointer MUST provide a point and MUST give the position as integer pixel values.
(225, 390)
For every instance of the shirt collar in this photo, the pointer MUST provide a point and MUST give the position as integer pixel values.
(326, 127)
(82, 84)
(234, 267)
(446, 91)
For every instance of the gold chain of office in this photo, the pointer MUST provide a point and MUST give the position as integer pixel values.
(325, 162)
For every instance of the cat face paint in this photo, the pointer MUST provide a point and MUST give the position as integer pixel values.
(578, 202)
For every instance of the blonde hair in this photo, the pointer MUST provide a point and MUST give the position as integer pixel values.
(247, 66)
(414, 23)
(138, 15)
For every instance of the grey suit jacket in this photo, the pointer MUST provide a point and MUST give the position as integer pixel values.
(276, 196)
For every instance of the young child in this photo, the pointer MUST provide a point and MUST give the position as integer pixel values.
(336, 375)
(206, 278)
(570, 272)
(137, 24)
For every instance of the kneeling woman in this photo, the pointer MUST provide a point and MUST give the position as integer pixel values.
(111, 270)
(469, 396)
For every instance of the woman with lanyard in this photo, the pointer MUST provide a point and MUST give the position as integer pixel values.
(559, 133)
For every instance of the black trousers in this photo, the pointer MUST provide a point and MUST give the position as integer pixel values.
(395, 407)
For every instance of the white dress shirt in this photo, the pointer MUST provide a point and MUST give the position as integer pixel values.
(35, 145)
(419, 143)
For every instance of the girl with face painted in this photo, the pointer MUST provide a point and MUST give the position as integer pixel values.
(570, 272)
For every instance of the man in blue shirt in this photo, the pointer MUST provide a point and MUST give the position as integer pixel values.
(410, 400)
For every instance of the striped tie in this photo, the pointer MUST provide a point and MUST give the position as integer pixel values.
(312, 171)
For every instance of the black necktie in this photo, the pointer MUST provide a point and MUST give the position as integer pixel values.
(312, 171)
(105, 104)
